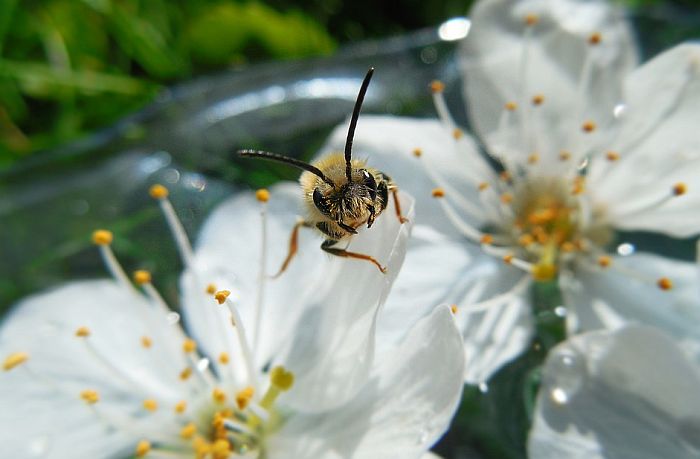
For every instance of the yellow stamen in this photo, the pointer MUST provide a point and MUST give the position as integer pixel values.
(544, 272)
(211, 289)
(218, 395)
(486, 239)
(537, 99)
(568, 247)
(180, 407)
(158, 191)
(483, 186)
(579, 186)
(189, 345)
(262, 195)
(508, 258)
(438, 193)
(223, 358)
(531, 19)
(679, 189)
(454, 309)
(612, 156)
(142, 277)
(244, 397)
(150, 405)
(221, 296)
(506, 198)
(146, 342)
(280, 380)
(417, 152)
(221, 449)
(185, 374)
(533, 158)
(82, 332)
(604, 261)
(90, 396)
(526, 239)
(188, 431)
(588, 127)
(595, 38)
(665, 283)
(457, 134)
(143, 448)
(15, 359)
(102, 237)
(437, 86)
(564, 155)
(504, 176)
(511, 106)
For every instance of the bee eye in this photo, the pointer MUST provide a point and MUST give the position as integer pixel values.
(370, 183)
(321, 202)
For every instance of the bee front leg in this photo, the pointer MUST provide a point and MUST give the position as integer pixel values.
(293, 246)
(328, 244)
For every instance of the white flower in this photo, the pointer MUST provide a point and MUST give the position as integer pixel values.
(632, 393)
(577, 142)
(282, 368)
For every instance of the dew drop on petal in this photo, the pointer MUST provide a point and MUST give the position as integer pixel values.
(173, 318)
(560, 311)
(625, 249)
(619, 110)
(203, 364)
(565, 374)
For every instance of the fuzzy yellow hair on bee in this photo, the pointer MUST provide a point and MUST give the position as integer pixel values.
(340, 193)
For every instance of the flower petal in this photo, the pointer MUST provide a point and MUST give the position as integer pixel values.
(629, 393)
(228, 255)
(402, 410)
(659, 147)
(334, 344)
(506, 60)
(41, 401)
(389, 144)
(599, 300)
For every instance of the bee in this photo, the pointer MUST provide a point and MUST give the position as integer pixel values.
(341, 194)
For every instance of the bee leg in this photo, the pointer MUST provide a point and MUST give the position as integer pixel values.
(372, 216)
(397, 205)
(327, 247)
(347, 228)
(293, 246)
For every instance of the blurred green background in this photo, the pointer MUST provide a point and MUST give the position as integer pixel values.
(70, 67)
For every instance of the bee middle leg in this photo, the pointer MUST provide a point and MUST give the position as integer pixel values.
(327, 246)
(293, 246)
(397, 205)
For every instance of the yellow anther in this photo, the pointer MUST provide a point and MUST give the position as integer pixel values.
(262, 195)
(142, 277)
(457, 134)
(483, 185)
(664, 283)
(533, 158)
(211, 289)
(438, 193)
(244, 397)
(506, 198)
(541, 216)
(189, 345)
(142, 448)
(612, 156)
(281, 378)
(180, 407)
(454, 308)
(544, 272)
(579, 186)
(150, 405)
(417, 152)
(526, 239)
(90, 396)
(221, 449)
(146, 342)
(82, 332)
(15, 359)
(679, 189)
(537, 99)
(564, 155)
(188, 431)
(102, 237)
(508, 258)
(437, 86)
(486, 239)
(595, 38)
(604, 261)
(588, 126)
(531, 19)
(185, 374)
(511, 106)
(158, 191)
(218, 395)
(223, 358)
(504, 176)
(201, 447)
(568, 247)
(221, 296)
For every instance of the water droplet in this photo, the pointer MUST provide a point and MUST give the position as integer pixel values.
(619, 110)
(454, 29)
(173, 318)
(625, 249)
(203, 364)
(564, 375)
(428, 55)
(39, 446)
(483, 387)
(195, 181)
(560, 311)
(171, 175)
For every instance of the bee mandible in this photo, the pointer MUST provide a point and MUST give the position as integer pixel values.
(340, 193)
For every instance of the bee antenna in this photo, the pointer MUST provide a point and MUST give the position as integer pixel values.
(353, 122)
(287, 160)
